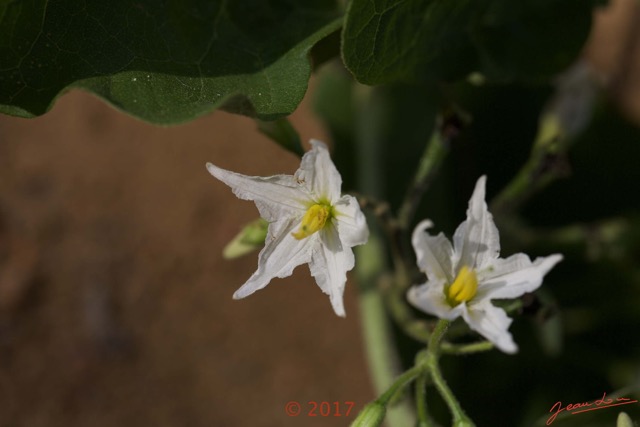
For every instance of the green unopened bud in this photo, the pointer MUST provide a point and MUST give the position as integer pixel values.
(371, 415)
(624, 420)
(249, 239)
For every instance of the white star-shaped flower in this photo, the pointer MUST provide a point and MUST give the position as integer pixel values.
(463, 279)
(309, 222)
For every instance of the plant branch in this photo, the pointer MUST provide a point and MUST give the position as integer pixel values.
(447, 127)
(430, 360)
(460, 349)
(424, 419)
(567, 114)
(613, 238)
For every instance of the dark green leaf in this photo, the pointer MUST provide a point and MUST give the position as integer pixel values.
(412, 41)
(419, 40)
(530, 39)
(162, 61)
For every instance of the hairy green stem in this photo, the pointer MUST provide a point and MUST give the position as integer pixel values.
(424, 419)
(460, 419)
(430, 161)
(399, 384)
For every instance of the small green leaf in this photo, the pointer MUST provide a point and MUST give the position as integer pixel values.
(282, 133)
(164, 62)
(250, 238)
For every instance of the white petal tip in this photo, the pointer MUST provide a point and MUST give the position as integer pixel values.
(212, 169)
(555, 258)
(242, 293)
(338, 305)
(479, 192)
(548, 262)
(422, 226)
(509, 349)
(316, 143)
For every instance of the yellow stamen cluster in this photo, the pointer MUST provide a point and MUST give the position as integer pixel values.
(464, 288)
(313, 220)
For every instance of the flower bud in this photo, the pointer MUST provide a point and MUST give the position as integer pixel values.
(624, 420)
(250, 238)
(371, 415)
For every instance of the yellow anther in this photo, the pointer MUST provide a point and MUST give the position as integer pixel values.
(313, 220)
(463, 288)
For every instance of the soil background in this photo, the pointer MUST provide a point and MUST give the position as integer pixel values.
(115, 302)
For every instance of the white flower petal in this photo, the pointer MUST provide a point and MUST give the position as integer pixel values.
(492, 323)
(280, 255)
(476, 241)
(275, 196)
(318, 173)
(284, 201)
(350, 221)
(434, 253)
(329, 264)
(514, 276)
(430, 298)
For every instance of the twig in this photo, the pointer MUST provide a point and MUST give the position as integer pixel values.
(447, 127)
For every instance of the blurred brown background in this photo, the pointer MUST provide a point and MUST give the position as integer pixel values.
(115, 302)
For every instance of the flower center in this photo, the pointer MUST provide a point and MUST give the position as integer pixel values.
(464, 288)
(313, 220)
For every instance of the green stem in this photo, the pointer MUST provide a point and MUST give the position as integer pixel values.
(437, 335)
(466, 348)
(612, 238)
(430, 161)
(564, 118)
(460, 419)
(424, 419)
(389, 224)
(400, 383)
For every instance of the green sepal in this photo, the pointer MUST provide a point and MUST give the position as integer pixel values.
(250, 238)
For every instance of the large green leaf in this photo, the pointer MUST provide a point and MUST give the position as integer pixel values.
(420, 40)
(530, 39)
(408, 40)
(164, 61)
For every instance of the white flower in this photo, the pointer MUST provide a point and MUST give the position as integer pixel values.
(309, 222)
(463, 279)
